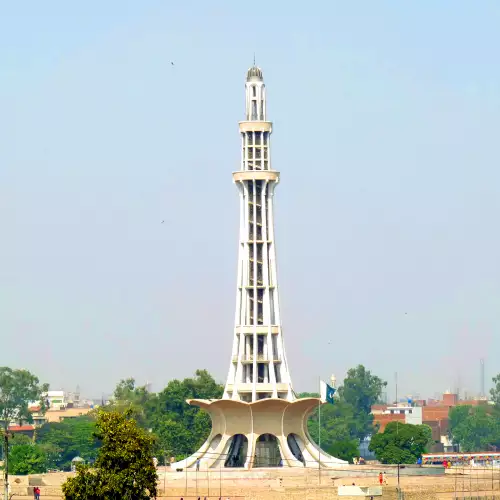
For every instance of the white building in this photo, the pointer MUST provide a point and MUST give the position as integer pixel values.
(56, 400)
(413, 414)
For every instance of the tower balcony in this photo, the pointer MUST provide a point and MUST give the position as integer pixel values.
(254, 125)
(261, 387)
(260, 329)
(256, 175)
(261, 358)
(259, 285)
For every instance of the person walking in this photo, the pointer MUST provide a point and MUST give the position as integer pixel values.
(380, 478)
(37, 493)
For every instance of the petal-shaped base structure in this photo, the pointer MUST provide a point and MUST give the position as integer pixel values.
(266, 433)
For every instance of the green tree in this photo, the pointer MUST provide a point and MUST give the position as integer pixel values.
(63, 441)
(18, 388)
(338, 429)
(128, 397)
(456, 416)
(360, 391)
(181, 428)
(495, 391)
(345, 449)
(124, 468)
(27, 459)
(474, 428)
(349, 420)
(20, 438)
(401, 443)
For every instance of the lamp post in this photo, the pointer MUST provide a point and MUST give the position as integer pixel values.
(6, 465)
(399, 492)
(185, 466)
(208, 481)
(220, 478)
(165, 471)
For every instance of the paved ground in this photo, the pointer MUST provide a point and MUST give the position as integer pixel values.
(292, 485)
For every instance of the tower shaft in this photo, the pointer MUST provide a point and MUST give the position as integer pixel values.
(258, 368)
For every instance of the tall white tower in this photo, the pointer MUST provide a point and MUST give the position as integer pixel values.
(258, 367)
(258, 422)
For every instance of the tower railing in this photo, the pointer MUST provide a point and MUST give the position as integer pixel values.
(259, 357)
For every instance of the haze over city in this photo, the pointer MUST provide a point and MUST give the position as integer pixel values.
(119, 217)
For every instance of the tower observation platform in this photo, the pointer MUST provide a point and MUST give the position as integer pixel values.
(259, 422)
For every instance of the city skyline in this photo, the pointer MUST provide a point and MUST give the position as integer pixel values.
(387, 250)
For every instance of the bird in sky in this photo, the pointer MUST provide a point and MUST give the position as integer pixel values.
(171, 62)
(162, 221)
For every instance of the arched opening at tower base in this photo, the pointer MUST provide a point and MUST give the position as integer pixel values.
(237, 451)
(267, 452)
(296, 446)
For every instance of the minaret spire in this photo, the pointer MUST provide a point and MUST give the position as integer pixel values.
(258, 367)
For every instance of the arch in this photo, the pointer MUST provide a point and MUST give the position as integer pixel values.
(296, 446)
(214, 443)
(237, 451)
(267, 452)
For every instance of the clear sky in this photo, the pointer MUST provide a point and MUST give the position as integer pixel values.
(386, 118)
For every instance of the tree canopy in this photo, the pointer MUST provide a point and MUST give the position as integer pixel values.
(474, 428)
(27, 459)
(401, 443)
(495, 391)
(124, 467)
(19, 388)
(181, 428)
(361, 389)
(349, 420)
(63, 441)
(128, 397)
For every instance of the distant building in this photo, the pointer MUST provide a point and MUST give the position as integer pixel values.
(27, 430)
(56, 399)
(433, 412)
(56, 415)
(404, 413)
(59, 406)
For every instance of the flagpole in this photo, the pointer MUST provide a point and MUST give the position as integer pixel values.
(319, 433)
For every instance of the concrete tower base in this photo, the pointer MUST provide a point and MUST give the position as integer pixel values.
(265, 433)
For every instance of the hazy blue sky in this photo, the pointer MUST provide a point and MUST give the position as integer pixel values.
(386, 119)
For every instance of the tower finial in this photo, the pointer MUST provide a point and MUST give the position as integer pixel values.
(254, 58)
